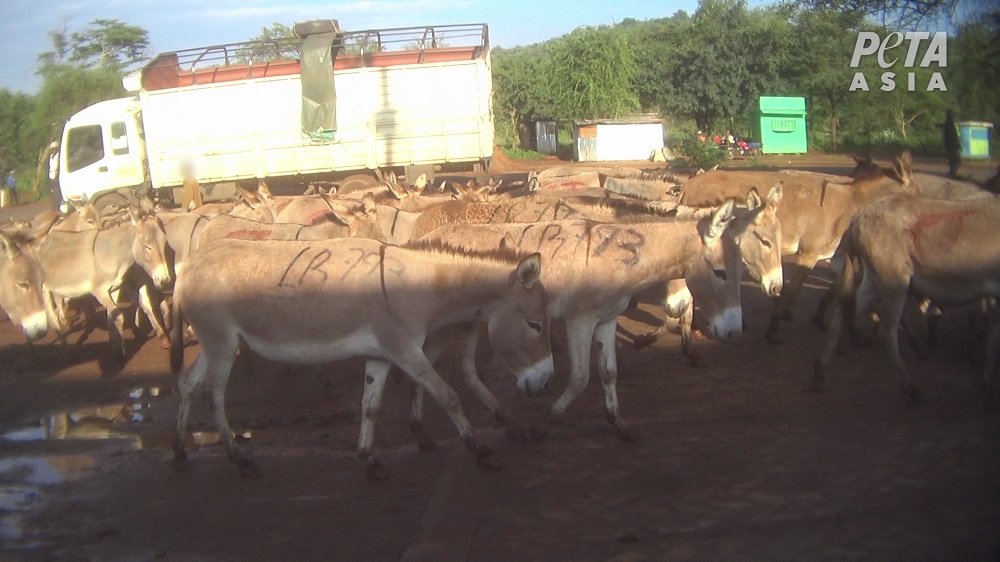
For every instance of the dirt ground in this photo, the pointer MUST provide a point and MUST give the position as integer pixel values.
(734, 462)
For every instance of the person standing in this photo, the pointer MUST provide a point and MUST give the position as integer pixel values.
(12, 186)
(952, 146)
(55, 194)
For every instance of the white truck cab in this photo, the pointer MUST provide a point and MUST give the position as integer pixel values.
(103, 155)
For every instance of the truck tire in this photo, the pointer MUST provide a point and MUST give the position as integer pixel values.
(110, 203)
(357, 182)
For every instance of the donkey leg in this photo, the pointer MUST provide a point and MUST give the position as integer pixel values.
(833, 333)
(607, 367)
(187, 383)
(992, 354)
(116, 320)
(468, 339)
(686, 323)
(580, 336)
(890, 315)
(376, 372)
(153, 313)
(415, 364)
(783, 311)
(218, 370)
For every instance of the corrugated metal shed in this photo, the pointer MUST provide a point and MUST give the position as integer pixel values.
(616, 139)
(539, 135)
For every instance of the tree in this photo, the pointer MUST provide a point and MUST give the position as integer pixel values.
(823, 42)
(591, 72)
(276, 42)
(106, 43)
(518, 88)
(724, 60)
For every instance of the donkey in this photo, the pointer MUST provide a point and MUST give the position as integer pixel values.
(814, 214)
(95, 262)
(321, 301)
(678, 303)
(944, 250)
(21, 294)
(594, 269)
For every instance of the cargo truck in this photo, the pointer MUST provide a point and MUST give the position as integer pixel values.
(323, 106)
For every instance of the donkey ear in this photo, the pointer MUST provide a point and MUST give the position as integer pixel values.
(529, 269)
(396, 194)
(903, 165)
(146, 205)
(774, 196)
(8, 247)
(368, 203)
(507, 242)
(90, 215)
(135, 214)
(718, 223)
(263, 192)
(420, 183)
(753, 199)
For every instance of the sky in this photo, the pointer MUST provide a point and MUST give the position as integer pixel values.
(182, 24)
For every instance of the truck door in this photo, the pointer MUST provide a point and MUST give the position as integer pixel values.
(100, 158)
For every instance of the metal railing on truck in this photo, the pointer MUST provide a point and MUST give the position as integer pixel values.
(280, 57)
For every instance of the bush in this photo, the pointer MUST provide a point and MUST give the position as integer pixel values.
(695, 154)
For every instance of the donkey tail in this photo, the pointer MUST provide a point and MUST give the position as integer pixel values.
(177, 337)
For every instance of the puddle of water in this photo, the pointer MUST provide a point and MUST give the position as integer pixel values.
(44, 470)
(20, 497)
(97, 422)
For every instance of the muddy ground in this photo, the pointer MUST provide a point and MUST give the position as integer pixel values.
(734, 462)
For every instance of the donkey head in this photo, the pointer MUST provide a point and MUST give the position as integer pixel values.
(150, 245)
(21, 293)
(714, 276)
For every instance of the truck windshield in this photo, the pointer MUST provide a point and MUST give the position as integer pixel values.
(84, 146)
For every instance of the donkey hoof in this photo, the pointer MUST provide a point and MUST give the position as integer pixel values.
(642, 341)
(376, 471)
(248, 469)
(488, 463)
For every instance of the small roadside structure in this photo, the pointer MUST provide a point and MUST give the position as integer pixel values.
(975, 138)
(616, 139)
(539, 135)
(781, 125)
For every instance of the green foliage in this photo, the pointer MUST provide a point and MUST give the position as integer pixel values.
(106, 43)
(591, 74)
(522, 154)
(15, 152)
(270, 47)
(696, 154)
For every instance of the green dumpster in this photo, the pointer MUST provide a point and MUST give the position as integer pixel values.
(782, 125)
(975, 138)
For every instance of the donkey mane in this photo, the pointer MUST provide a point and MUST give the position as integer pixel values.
(501, 255)
(628, 206)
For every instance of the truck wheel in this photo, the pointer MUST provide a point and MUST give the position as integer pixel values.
(110, 203)
(357, 182)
